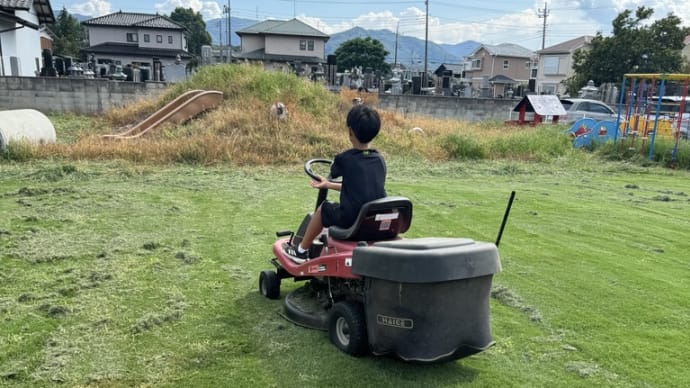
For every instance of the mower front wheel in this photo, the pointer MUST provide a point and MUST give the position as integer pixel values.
(347, 328)
(269, 284)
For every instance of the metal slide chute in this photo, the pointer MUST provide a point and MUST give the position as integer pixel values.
(179, 110)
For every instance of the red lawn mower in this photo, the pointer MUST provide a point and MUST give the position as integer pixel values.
(423, 299)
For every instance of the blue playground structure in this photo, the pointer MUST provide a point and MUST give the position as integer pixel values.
(587, 131)
(643, 113)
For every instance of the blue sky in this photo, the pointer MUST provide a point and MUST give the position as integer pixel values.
(450, 21)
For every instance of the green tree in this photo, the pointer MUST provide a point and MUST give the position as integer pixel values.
(636, 46)
(195, 25)
(364, 52)
(69, 36)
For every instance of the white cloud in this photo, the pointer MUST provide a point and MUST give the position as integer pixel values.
(372, 20)
(91, 8)
(523, 27)
(661, 8)
(377, 21)
(207, 9)
(566, 19)
(604, 11)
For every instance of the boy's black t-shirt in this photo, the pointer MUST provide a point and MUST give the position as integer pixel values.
(364, 178)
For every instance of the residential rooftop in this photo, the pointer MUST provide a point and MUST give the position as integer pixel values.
(133, 19)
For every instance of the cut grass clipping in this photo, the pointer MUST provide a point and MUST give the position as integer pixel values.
(122, 274)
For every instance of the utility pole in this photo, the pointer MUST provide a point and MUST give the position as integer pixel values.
(543, 14)
(395, 61)
(426, 44)
(226, 9)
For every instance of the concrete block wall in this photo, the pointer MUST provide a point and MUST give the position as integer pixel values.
(96, 96)
(75, 95)
(459, 108)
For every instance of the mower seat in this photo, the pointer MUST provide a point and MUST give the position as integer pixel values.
(381, 219)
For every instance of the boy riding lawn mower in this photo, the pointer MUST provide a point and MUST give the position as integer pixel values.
(423, 299)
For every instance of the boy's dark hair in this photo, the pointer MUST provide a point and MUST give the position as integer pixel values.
(364, 122)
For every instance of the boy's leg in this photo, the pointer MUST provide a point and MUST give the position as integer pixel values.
(313, 229)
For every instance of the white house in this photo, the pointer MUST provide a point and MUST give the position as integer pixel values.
(137, 40)
(20, 35)
(556, 65)
(498, 70)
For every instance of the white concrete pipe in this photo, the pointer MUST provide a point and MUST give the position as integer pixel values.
(25, 124)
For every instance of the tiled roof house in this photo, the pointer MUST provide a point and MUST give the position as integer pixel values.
(279, 42)
(494, 70)
(136, 39)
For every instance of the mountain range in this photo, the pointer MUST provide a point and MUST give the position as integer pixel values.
(410, 50)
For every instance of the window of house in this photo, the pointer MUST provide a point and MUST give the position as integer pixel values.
(551, 65)
(476, 63)
(533, 74)
(310, 45)
(147, 38)
(159, 38)
(170, 40)
(132, 37)
(527, 64)
(548, 89)
(506, 64)
(302, 45)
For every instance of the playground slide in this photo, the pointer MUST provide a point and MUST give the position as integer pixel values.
(181, 109)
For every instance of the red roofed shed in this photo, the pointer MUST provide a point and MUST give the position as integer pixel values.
(540, 105)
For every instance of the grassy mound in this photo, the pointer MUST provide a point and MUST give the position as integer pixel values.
(241, 131)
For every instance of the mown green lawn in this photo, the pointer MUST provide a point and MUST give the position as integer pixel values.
(114, 274)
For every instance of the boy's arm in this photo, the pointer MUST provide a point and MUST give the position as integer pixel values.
(334, 186)
(325, 184)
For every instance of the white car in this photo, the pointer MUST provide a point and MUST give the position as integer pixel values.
(578, 108)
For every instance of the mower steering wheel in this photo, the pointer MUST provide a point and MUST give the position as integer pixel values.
(323, 193)
(313, 175)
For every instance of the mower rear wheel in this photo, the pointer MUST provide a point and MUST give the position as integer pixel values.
(269, 284)
(347, 328)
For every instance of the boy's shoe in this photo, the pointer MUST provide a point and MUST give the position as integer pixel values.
(294, 254)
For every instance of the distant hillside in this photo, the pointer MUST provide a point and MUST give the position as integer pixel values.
(80, 18)
(462, 49)
(410, 49)
(215, 26)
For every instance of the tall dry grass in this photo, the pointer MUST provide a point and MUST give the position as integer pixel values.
(242, 131)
